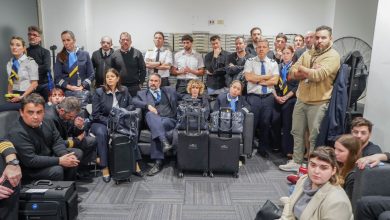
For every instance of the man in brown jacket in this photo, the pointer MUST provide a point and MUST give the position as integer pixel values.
(316, 69)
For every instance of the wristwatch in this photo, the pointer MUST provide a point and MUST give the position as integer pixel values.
(14, 162)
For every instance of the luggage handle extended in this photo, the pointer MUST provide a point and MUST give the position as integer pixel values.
(226, 110)
(43, 182)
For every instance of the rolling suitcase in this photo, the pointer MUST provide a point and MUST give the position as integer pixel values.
(121, 157)
(48, 200)
(192, 150)
(224, 147)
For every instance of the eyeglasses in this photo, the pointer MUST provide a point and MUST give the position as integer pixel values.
(33, 35)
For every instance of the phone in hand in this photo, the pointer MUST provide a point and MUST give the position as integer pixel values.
(7, 184)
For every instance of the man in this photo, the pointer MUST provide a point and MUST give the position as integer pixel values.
(41, 57)
(159, 105)
(71, 129)
(215, 63)
(101, 60)
(159, 60)
(188, 64)
(11, 174)
(236, 61)
(309, 42)
(256, 36)
(130, 64)
(316, 69)
(361, 128)
(280, 44)
(41, 150)
(262, 74)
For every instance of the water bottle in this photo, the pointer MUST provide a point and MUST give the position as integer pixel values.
(78, 79)
(302, 170)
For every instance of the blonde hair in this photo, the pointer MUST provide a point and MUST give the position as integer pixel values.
(197, 83)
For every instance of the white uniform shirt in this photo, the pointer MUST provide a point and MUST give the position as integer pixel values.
(165, 57)
(28, 70)
(193, 60)
(254, 65)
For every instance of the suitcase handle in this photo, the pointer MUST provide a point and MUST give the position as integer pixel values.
(43, 182)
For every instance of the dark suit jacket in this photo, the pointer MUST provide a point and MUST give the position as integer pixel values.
(145, 98)
(223, 102)
(102, 103)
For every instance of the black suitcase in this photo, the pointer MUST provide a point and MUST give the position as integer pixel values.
(192, 149)
(224, 150)
(48, 200)
(121, 157)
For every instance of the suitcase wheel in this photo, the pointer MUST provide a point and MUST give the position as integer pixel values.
(211, 174)
(180, 175)
(129, 180)
(205, 174)
(236, 175)
(116, 182)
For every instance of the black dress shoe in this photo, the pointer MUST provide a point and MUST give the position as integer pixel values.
(166, 146)
(263, 153)
(157, 167)
(106, 179)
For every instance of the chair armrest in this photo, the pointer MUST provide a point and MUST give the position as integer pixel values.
(247, 134)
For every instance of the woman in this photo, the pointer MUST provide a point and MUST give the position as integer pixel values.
(111, 94)
(318, 195)
(73, 68)
(22, 75)
(195, 90)
(284, 94)
(56, 95)
(347, 149)
(298, 41)
(232, 99)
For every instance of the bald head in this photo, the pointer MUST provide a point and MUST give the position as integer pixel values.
(309, 39)
(106, 43)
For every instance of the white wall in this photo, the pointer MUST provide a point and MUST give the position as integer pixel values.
(377, 107)
(92, 19)
(355, 18)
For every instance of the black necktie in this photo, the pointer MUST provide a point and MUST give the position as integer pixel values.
(157, 59)
(105, 54)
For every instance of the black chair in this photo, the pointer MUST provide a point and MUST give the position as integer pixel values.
(6, 120)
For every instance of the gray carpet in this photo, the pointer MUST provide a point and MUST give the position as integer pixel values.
(165, 196)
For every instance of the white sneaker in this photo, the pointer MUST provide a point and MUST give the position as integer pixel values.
(284, 200)
(290, 166)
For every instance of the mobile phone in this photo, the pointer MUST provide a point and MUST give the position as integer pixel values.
(7, 184)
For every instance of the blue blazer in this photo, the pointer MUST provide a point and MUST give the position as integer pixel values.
(223, 102)
(145, 98)
(102, 103)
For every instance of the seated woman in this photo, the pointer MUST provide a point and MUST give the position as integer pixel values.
(73, 69)
(109, 95)
(232, 99)
(195, 90)
(318, 195)
(347, 150)
(22, 75)
(56, 95)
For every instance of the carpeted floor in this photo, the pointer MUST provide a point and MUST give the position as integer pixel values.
(165, 196)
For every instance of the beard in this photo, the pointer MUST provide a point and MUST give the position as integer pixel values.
(320, 50)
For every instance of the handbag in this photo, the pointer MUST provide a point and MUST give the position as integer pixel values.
(123, 122)
(191, 112)
(226, 121)
(269, 211)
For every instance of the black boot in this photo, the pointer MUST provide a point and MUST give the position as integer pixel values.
(157, 167)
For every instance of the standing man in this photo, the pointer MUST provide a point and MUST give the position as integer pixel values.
(41, 150)
(188, 64)
(159, 105)
(316, 69)
(41, 57)
(215, 63)
(101, 60)
(262, 75)
(256, 36)
(130, 64)
(309, 42)
(159, 60)
(280, 44)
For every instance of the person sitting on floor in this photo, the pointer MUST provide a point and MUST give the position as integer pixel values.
(56, 95)
(41, 150)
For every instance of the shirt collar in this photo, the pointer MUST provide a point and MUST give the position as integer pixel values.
(154, 91)
(192, 52)
(266, 59)
(76, 50)
(110, 92)
(23, 57)
(229, 98)
(161, 49)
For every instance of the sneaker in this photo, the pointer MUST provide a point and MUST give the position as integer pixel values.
(290, 166)
(292, 178)
(284, 200)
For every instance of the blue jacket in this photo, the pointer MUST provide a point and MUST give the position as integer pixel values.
(61, 71)
(333, 123)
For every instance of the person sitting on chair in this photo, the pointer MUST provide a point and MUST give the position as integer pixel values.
(10, 175)
(160, 107)
(233, 98)
(41, 150)
(111, 94)
(195, 90)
